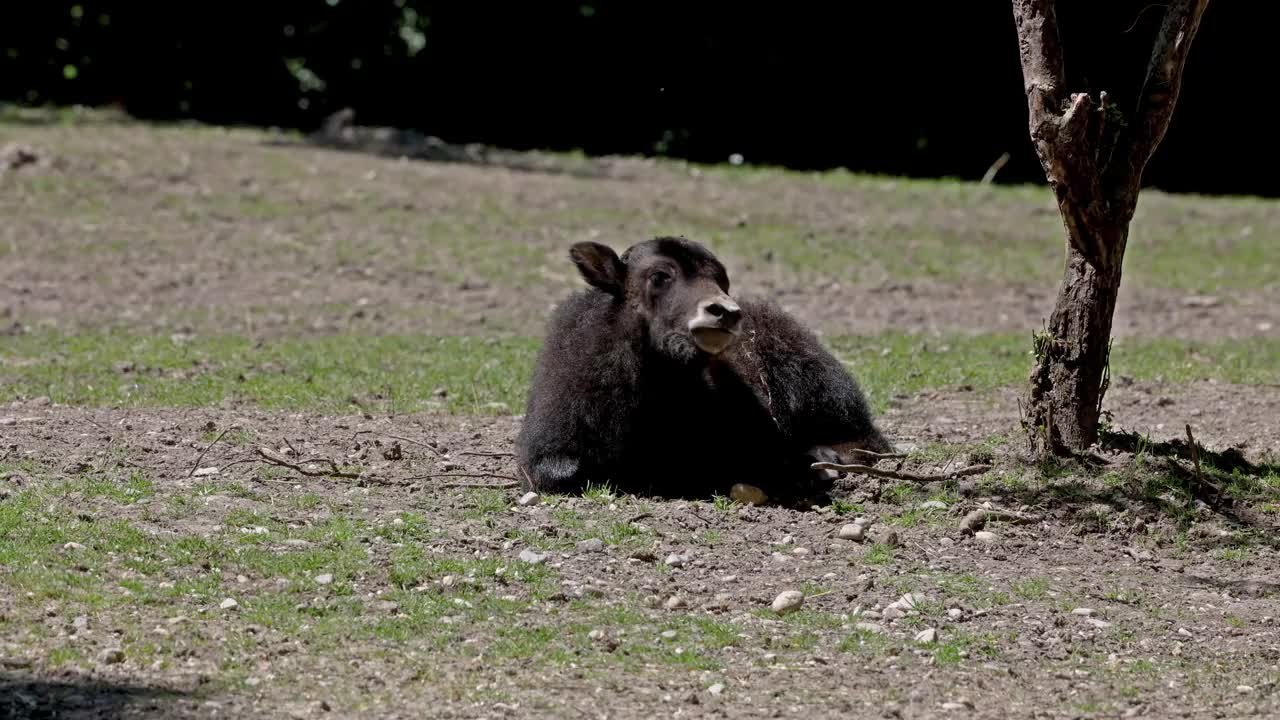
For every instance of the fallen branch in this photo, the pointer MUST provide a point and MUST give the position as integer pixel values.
(206, 450)
(413, 442)
(873, 455)
(509, 482)
(273, 459)
(477, 453)
(975, 520)
(898, 475)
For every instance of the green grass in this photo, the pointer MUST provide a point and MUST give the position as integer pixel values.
(401, 374)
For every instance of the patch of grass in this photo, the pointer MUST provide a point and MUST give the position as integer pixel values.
(484, 501)
(878, 554)
(956, 647)
(844, 507)
(973, 592)
(124, 491)
(868, 643)
(485, 376)
(1032, 588)
(710, 537)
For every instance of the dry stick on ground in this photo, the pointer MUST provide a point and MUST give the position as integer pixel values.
(510, 482)
(873, 455)
(206, 450)
(974, 521)
(412, 442)
(897, 475)
(274, 459)
(476, 453)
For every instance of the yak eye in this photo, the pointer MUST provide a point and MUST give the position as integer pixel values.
(659, 279)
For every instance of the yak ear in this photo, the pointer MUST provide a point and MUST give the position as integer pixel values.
(599, 266)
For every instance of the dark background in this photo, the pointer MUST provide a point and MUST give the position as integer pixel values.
(906, 88)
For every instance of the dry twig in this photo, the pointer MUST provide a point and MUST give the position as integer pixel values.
(476, 453)
(898, 475)
(273, 459)
(509, 482)
(206, 450)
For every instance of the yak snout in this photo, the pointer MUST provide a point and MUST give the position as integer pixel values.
(716, 323)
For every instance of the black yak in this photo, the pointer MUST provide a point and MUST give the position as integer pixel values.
(655, 380)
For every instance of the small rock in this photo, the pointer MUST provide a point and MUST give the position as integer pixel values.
(228, 604)
(955, 613)
(675, 602)
(73, 546)
(205, 471)
(800, 551)
(529, 498)
(747, 494)
(1100, 624)
(674, 560)
(296, 542)
(595, 635)
(852, 531)
(1244, 689)
(891, 539)
(253, 681)
(386, 606)
(532, 557)
(1085, 612)
(869, 627)
(788, 601)
(946, 542)
(952, 706)
(111, 656)
(928, 636)
(985, 537)
(716, 689)
(591, 545)
(668, 634)
(1184, 632)
(81, 622)
(933, 505)
(325, 579)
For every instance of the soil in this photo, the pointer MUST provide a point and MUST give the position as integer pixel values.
(1184, 620)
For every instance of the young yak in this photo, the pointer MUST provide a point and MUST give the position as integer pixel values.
(656, 381)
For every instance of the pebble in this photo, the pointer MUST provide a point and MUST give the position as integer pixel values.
(1086, 612)
(111, 656)
(1098, 623)
(668, 634)
(73, 546)
(386, 606)
(202, 472)
(81, 622)
(325, 579)
(595, 635)
(296, 542)
(933, 505)
(985, 536)
(228, 604)
(800, 551)
(946, 542)
(928, 636)
(955, 613)
(591, 545)
(747, 494)
(893, 613)
(532, 557)
(529, 498)
(852, 531)
(674, 602)
(674, 560)
(788, 601)
(1243, 689)
(716, 689)
(952, 706)
(1184, 632)
(869, 627)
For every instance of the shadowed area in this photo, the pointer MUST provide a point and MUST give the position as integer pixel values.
(81, 698)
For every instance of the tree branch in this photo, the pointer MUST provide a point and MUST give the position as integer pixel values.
(1160, 89)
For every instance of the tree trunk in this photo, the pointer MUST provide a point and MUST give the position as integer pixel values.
(1071, 371)
(1093, 154)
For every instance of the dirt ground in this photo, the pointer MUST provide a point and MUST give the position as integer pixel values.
(1094, 600)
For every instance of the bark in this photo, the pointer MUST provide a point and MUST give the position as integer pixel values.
(1093, 155)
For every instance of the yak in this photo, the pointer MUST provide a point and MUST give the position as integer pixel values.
(655, 380)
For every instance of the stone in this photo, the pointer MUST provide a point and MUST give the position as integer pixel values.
(675, 560)
(747, 494)
(111, 656)
(532, 557)
(955, 613)
(788, 601)
(675, 602)
(852, 531)
(324, 579)
(933, 505)
(985, 537)
(591, 545)
(800, 551)
(928, 636)
(716, 689)
(73, 546)
(205, 471)
(869, 627)
(668, 634)
(529, 498)
(228, 604)
(1084, 612)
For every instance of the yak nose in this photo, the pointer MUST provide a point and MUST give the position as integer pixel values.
(726, 312)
